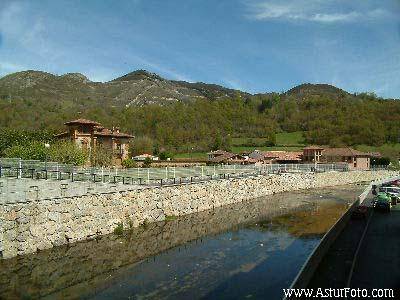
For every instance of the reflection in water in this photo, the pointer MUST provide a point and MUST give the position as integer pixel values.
(246, 250)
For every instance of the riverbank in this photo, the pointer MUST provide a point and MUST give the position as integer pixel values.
(29, 227)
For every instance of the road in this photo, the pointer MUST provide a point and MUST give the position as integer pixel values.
(378, 260)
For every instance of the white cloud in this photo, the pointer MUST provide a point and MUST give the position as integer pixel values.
(310, 11)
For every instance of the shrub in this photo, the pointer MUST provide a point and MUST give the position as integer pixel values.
(165, 155)
(119, 230)
(129, 163)
(147, 162)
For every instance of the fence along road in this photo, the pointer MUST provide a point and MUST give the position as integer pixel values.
(25, 180)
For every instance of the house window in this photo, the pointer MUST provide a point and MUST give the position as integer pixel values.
(119, 148)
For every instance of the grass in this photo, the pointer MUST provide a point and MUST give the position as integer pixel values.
(170, 218)
(245, 140)
(290, 139)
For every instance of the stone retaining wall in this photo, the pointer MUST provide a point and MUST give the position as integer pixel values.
(28, 227)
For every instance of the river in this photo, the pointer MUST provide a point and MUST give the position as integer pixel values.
(250, 250)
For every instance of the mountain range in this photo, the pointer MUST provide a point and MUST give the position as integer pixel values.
(137, 88)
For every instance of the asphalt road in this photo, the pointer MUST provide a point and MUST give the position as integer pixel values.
(378, 260)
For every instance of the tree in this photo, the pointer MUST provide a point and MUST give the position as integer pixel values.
(140, 145)
(147, 162)
(31, 150)
(68, 153)
(102, 156)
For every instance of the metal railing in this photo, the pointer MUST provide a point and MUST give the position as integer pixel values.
(54, 171)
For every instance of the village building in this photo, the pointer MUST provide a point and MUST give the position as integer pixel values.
(312, 154)
(90, 135)
(353, 158)
(144, 156)
(279, 157)
(224, 157)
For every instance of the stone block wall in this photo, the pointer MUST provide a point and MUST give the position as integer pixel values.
(32, 226)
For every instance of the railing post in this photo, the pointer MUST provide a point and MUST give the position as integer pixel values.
(20, 169)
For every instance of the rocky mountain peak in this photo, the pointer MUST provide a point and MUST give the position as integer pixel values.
(75, 76)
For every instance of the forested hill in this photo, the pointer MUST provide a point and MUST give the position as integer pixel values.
(181, 115)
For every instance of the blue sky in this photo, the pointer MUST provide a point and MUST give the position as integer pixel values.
(252, 45)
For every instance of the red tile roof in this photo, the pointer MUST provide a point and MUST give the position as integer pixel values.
(289, 156)
(313, 147)
(343, 152)
(108, 132)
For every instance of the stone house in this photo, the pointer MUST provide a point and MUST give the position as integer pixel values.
(89, 135)
(355, 159)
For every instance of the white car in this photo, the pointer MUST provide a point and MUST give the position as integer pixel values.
(390, 189)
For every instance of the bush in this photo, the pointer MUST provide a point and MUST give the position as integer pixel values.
(129, 163)
(165, 155)
(119, 230)
(147, 162)
(381, 161)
